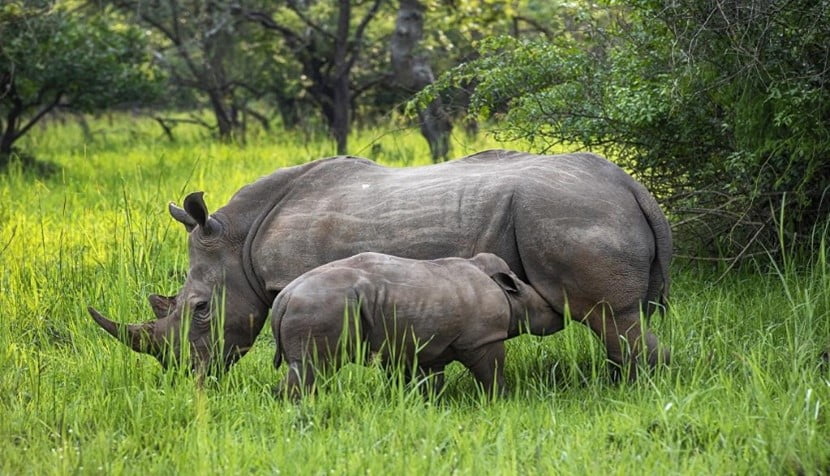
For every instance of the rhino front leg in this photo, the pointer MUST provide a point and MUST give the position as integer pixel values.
(431, 380)
(487, 365)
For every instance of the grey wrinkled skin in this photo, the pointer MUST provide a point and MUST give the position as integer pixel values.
(410, 313)
(576, 227)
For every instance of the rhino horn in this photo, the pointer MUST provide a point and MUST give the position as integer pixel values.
(194, 205)
(138, 337)
(181, 216)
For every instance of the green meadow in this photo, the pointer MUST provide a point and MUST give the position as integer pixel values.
(747, 391)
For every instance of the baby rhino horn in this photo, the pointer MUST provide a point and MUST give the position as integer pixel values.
(139, 337)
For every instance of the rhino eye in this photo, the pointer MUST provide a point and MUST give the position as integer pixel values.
(200, 310)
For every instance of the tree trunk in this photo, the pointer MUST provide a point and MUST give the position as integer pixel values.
(87, 131)
(413, 73)
(341, 93)
(224, 121)
(341, 113)
(5, 151)
(289, 112)
(436, 128)
(9, 136)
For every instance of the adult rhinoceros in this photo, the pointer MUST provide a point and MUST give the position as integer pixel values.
(580, 230)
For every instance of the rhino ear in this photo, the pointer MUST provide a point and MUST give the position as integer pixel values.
(194, 205)
(182, 217)
(506, 282)
(162, 305)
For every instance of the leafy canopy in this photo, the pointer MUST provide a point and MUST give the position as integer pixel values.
(52, 57)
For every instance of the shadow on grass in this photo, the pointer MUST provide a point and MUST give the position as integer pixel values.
(25, 164)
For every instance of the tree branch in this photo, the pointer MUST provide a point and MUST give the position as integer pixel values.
(267, 22)
(190, 120)
(358, 90)
(244, 85)
(168, 130)
(160, 27)
(354, 47)
(535, 24)
(259, 117)
(39, 115)
(292, 5)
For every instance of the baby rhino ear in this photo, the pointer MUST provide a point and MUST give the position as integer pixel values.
(506, 282)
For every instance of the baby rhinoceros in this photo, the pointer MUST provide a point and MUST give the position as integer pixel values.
(420, 315)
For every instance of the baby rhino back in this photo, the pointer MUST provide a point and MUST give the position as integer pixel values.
(437, 307)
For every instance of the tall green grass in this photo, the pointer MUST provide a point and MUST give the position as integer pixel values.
(746, 392)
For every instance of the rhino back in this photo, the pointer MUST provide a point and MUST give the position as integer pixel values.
(457, 208)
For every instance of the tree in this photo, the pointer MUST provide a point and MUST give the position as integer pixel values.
(412, 72)
(52, 58)
(206, 49)
(327, 42)
(434, 35)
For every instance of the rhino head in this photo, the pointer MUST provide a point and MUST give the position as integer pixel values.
(217, 313)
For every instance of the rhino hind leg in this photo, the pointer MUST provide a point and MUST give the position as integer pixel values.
(627, 342)
(608, 300)
(487, 365)
(299, 381)
(306, 358)
(431, 380)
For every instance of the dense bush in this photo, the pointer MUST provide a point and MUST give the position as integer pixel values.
(721, 108)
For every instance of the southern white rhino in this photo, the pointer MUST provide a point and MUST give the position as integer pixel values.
(576, 227)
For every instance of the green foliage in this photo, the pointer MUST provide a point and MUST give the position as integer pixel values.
(51, 57)
(747, 393)
(214, 60)
(720, 108)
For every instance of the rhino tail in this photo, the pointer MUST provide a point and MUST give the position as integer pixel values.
(659, 284)
(277, 314)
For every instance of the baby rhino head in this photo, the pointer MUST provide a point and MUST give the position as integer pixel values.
(529, 311)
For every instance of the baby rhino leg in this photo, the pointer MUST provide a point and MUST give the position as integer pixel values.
(306, 357)
(299, 380)
(487, 365)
